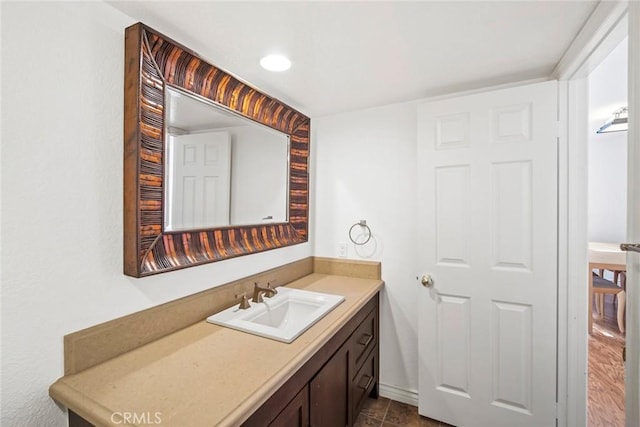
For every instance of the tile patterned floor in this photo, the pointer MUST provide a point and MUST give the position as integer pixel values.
(383, 412)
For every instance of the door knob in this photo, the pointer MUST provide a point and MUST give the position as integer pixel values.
(426, 281)
(631, 247)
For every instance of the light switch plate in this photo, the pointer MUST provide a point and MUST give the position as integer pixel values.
(342, 250)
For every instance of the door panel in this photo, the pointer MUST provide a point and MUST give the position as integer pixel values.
(511, 358)
(198, 180)
(454, 358)
(488, 237)
(453, 215)
(511, 215)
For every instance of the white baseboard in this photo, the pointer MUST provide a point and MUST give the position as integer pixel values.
(410, 397)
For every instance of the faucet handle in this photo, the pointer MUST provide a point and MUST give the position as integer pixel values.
(272, 289)
(244, 302)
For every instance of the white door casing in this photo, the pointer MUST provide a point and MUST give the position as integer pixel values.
(199, 180)
(488, 231)
(632, 366)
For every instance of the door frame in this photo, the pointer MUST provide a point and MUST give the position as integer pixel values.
(606, 27)
(632, 372)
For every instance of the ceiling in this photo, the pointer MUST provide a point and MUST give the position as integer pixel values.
(187, 114)
(353, 55)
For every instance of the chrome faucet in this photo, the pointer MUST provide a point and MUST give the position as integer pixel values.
(258, 291)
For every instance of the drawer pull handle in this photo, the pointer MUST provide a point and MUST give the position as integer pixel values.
(365, 339)
(368, 383)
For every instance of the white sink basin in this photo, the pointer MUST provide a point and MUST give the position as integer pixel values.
(282, 317)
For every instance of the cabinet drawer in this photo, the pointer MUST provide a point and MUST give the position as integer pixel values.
(364, 382)
(364, 339)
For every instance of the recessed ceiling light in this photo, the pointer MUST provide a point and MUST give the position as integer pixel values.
(275, 63)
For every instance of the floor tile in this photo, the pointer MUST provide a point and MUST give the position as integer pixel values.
(364, 421)
(384, 412)
(375, 408)
(401, 414)
(428, 422)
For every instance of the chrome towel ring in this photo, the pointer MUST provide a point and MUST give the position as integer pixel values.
(362, 223)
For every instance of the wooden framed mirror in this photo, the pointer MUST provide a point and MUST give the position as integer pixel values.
(153, 65)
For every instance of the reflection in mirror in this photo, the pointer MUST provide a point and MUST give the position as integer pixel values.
(221, 169)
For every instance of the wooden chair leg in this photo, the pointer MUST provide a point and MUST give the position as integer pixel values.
(600, 305)
(622, 297)
(590, 301)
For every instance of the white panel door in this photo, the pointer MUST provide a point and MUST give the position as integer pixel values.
(488, 234)
(199, 180)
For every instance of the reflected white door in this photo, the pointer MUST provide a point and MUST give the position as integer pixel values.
(488, 228)
(199, 180)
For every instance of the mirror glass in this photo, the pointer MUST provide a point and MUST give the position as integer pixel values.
(221, 169)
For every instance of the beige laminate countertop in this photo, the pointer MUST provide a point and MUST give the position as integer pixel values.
(206, 375)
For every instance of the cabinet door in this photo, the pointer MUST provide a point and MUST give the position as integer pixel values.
(329, 393)
(296, 413)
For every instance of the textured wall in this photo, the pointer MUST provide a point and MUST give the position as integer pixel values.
(62, 103)
(366, 169)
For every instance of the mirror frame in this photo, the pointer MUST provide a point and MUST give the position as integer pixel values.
(153, 61)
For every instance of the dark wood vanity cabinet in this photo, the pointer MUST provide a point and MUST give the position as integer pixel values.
(329, 392)
(365, 363)
(296, 413)
(330, 389)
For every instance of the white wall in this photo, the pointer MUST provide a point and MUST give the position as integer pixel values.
(62, 97)
(258, 175)
(365, 165)
(608, 151)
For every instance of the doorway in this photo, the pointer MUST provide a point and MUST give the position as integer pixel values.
(607, 208)
(615, 22)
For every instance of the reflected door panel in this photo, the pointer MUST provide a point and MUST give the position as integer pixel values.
(241, 181)
(198, 181)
